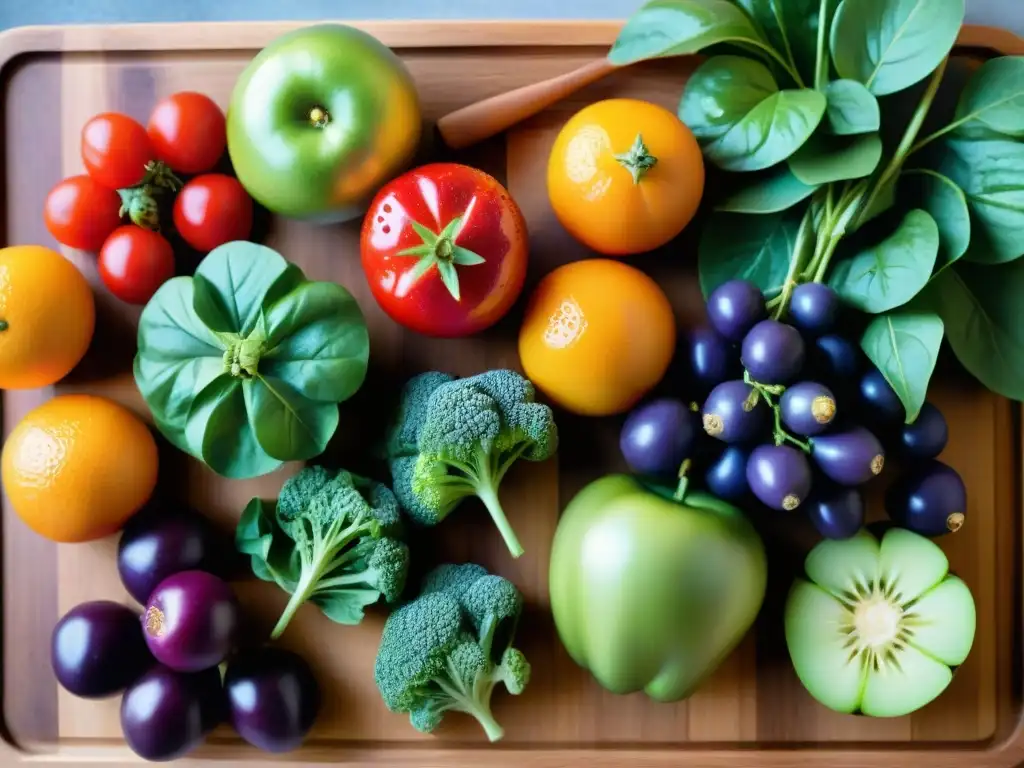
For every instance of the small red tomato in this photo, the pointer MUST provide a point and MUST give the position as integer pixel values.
(134, 262)
(116, 150)
(211, 210)
(188, 132)
(80, 213)
(444, 248)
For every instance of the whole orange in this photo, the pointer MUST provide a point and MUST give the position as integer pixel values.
(47, 317)
(625, 176)
(598, 334)
(78, 466)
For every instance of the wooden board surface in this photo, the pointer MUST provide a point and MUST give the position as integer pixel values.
(752, 711)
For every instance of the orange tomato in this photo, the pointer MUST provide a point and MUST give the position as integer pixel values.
(625, 176)
(598, 334)
(77, 467)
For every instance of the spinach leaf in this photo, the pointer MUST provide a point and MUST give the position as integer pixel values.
(889, 45)
(288, 425)
(850, 108)
(721, 92)
(904, 346)
(947, 204)
(677, 27)
(755, 248)
(994, 99)
(791, 28)
(825, 159)
(891, 273)
(230, 284)
(776, 191)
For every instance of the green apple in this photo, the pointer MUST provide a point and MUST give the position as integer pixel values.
(649, 592)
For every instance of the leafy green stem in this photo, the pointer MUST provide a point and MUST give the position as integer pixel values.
(922, 143)
(790, 69)
(803, 237)
(821, 60)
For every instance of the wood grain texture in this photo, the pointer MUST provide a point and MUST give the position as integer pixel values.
(753, 710)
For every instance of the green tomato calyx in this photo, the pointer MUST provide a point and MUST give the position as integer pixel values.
(242, 357)
(319, 117)
(638, 159)
(4, 325)
(139, 205)
(439, 249)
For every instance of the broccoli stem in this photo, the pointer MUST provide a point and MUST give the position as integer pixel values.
(489, 496)
(463, 701)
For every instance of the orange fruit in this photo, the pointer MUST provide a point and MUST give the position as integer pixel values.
(78, 466)
(625, 176)
(598, 334)
(47, 317)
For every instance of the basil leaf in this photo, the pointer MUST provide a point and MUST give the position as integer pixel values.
(677, 27)
(791, 28)
(891, 273)
(273, 556)
(286, 424)
(994, 98)
(889, 45)
(344, 605)
(904, 346)
(776, 191)
(231, 283)
(825, 159)
(947, 204)
(850, 108)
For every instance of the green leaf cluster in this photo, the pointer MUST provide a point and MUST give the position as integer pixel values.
(843, 166)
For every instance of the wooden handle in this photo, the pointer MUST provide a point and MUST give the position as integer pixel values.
(486, 118)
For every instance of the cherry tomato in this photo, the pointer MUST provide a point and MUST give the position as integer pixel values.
(444, 248)
(212, 210)
(134, 262)
(80, 213)
(116, 150)
(188, 132)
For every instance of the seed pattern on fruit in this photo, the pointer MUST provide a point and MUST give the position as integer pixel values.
(877, 624)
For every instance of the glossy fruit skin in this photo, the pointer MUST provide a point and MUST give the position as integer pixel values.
(191, 621)
(814, 308)
(166, 714)
(324, 169)
(773, 352)
(273, 698)
(878, 400)
(735, 307)
(780, 476)
(837, 512)
(592, 192)
(80, 212)
(851, 457)
(78, 466)
(597, 335)
(211, 210)
(188, 132)
(116, 150)
(134, 262)
(97, 650)
(807, 408)
(712, 359)
(835, 360)
(729, 416)
(926, 438)
(494, 230)
(628, 563)
(47, 317)
(930, 500)
(726, 478)
(657, 436)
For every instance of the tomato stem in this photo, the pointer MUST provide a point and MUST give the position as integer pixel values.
(684, 480)
(638, 160)
(439, 249)
(139, 204)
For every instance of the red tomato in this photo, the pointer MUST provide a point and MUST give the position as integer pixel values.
(80, 213)
(212, 210)
(116, 150)
(188, 132)
(444, 248)
(134, 262)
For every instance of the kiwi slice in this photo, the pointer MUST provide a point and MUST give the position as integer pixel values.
(877, 626)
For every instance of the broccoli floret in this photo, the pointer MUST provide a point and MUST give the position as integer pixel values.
(436, 656)
(331, 540)
(455, 438)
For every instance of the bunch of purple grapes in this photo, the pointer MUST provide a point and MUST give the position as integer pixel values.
(793, 415)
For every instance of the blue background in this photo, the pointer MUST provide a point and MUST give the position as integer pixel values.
(20, 12)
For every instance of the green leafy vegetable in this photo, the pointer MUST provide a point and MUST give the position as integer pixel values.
(993, 99)
(904, 346)
(791, 28)
(777, 190)
(947, 204)
(850, 108)
(824, 159)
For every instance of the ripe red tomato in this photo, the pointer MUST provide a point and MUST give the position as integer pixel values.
(116, 150)
(211, 210)
(188, 132)
(444, 248)
(134, 262)
(80, 213)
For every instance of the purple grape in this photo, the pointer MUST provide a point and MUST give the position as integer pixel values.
(713, 359)
(779, 475)
(926, 438)
(726, 478)
(837, 512)
(773, 352)
(878, 400)
(734, 414)
(734, 307)
(835, 359)
(657, 436)
(930, 500)
(807, 408)
(850, 457)
(814, 308)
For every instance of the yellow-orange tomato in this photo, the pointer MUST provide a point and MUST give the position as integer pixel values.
(625, 176)
(598, 334)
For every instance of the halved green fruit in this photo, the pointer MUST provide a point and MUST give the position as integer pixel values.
(877, 626)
